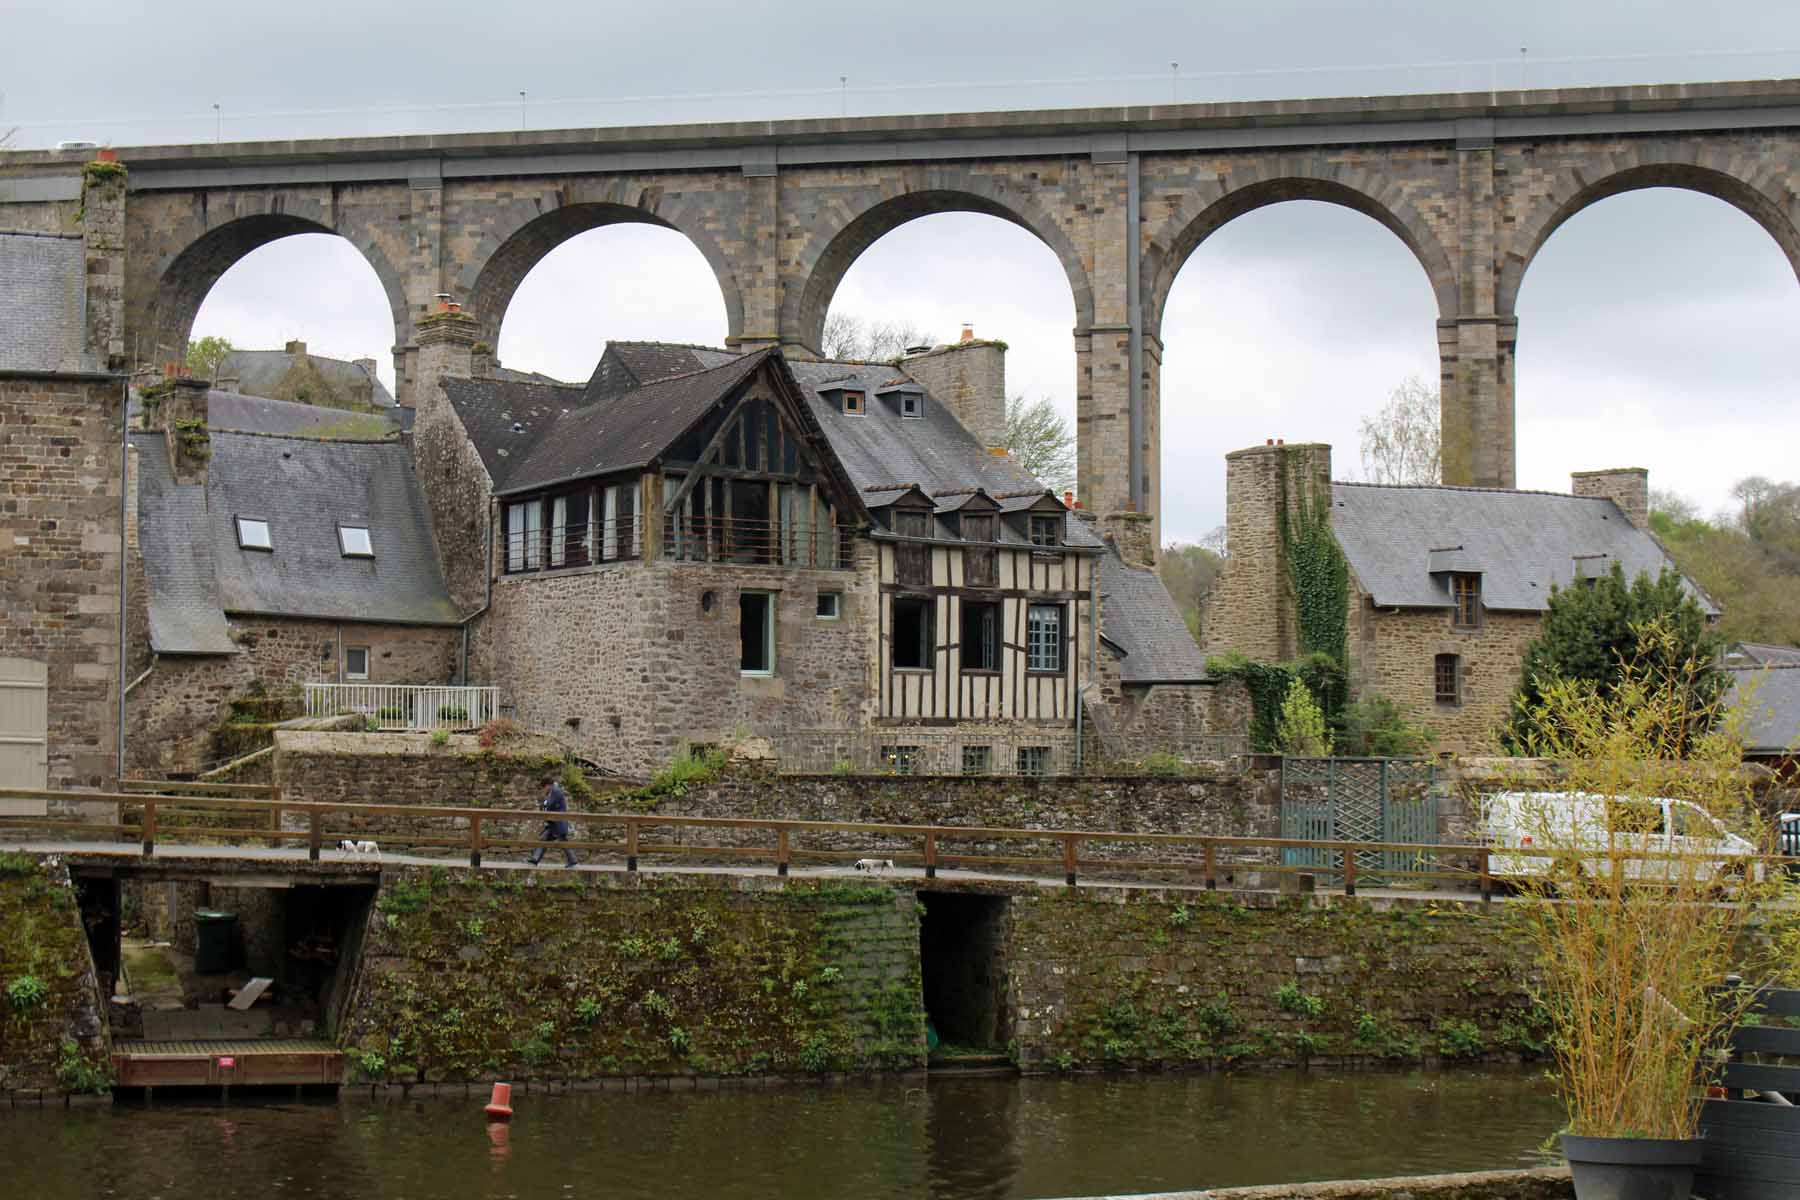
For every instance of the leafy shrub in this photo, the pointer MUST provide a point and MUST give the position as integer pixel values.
(500, 729)
(75, 1073)
(391, 712)
(1301, 729)
(1375, 727)
(27, 992)
(453, 712)
(440, 737)
(1289, 998)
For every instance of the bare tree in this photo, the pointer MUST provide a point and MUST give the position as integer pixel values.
(1040, 438)
(1402, 443)
(850, 338)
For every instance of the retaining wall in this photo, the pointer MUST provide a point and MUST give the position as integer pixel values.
(57, 1042)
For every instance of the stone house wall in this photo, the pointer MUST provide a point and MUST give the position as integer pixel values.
(170, 713)
(1189, 720)
(452, 478)
(1248, 608)
(625, 661)
(60, 454)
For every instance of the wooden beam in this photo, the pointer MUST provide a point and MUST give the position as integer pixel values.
(712, 448)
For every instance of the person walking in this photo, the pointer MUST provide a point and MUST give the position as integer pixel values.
(555, 801)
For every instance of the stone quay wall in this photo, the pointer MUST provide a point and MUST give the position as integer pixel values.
(484, 975)
(1109, 977)
(57, 1043)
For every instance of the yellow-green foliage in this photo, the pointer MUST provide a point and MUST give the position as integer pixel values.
(1301, 730)
(479, 975)
(1634, 949)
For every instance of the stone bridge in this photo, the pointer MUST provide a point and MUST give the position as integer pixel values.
(1472, 185)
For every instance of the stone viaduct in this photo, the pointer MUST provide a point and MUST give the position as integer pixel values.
(1471, 184)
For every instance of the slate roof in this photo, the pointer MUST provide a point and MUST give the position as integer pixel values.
(176, 540)
(617, 433)
(304, 487)
(1139, 617)
(41, 306)
(259, 414)
(628, 365)
(505, 419)
(1523, 543)
(1761, 654)
(259, 371)
(1772, 724)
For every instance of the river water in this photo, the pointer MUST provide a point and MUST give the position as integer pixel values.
(997, 1138)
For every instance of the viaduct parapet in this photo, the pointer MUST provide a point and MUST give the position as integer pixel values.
(1471, 184)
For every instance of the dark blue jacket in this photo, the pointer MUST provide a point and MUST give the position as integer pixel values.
(555, 801)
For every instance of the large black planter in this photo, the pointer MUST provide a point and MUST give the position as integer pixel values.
(1632, 1168)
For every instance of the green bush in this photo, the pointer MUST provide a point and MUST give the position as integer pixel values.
(27, 992)
(390, 712)
(1301, 729)
(75, 1073)
(453, 712)
(1375, 727)
(440, 737)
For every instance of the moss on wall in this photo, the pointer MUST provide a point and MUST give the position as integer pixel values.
(51, 1033)
(471, 975)
(1192, 979)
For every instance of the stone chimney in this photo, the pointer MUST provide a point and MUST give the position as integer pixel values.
(177, 408)
(969, 377)
(296, 349)
(446, 342)
(368, 365)
(228, 380)
(1250, 608)
(1628, 487)
(1133, 534)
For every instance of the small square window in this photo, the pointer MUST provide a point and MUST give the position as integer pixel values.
(830, 605)
(854, 403)
(356, 662)
(253, 534)
(912, 404)
(354, 541)
(901, 760)
(1046, 531)
(977, 760)
(1034, 760)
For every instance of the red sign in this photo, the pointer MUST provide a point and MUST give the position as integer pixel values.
(227, 1062)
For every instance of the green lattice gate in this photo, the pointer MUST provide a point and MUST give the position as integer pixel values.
(1356, 800)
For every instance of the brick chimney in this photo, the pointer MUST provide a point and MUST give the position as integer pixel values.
(968, 377)
(1628, 487)
(1250, 609)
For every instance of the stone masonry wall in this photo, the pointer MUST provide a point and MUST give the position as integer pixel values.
(60, 526)
(1115, 977)
(1394, 653)
(1249, 608)
(451, 476)
(170, 715)
(626, 661)
(1187, 720)
(472, 975)
(57, 1042)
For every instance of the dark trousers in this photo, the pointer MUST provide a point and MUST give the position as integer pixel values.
(554, 831)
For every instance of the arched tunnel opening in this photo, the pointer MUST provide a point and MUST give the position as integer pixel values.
(962, 965)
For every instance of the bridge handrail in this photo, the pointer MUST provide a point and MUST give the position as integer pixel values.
(1211, 847)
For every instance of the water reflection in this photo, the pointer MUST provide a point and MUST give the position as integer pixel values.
(976, 1139)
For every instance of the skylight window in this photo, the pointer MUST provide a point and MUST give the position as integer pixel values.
(354, 541)
(253, 534)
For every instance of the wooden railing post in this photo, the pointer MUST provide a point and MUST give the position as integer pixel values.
(149, 827)
(314, 834)
(930, 854)
(1212, 882)
(1350, 872)
(1487, 876)
(1069, 860)
(275, 814)
(781, 851)
(631, 845)
(475, 839)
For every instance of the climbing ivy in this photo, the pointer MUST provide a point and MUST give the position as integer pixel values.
(1317, 572)
(1268, 685)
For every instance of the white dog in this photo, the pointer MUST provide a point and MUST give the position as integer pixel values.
(874, 866)
(359, 849)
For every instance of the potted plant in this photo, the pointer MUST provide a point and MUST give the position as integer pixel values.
(1638, 873)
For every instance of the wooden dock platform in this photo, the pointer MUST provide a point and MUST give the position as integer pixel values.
(238, 1062)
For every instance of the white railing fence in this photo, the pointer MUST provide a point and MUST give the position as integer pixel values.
(398, 706)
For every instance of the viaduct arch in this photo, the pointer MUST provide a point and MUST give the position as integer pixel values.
(1473, 185)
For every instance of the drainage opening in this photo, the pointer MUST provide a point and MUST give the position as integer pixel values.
(961, 962)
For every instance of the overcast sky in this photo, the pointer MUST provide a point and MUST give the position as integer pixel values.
(1656, 328)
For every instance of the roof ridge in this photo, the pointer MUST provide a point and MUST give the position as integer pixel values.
(392, 439)
(1774, 666)
(675, 345)
(1459, 487)
(739, 361)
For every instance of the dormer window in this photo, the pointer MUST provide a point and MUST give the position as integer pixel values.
(855, 404)
(1046, 531)
(1465, 598)
(912, 405)
(353, 541)
(253, 534)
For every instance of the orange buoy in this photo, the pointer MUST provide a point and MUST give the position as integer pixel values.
(499, 1105)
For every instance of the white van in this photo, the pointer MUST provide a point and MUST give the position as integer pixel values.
(1560, 821)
